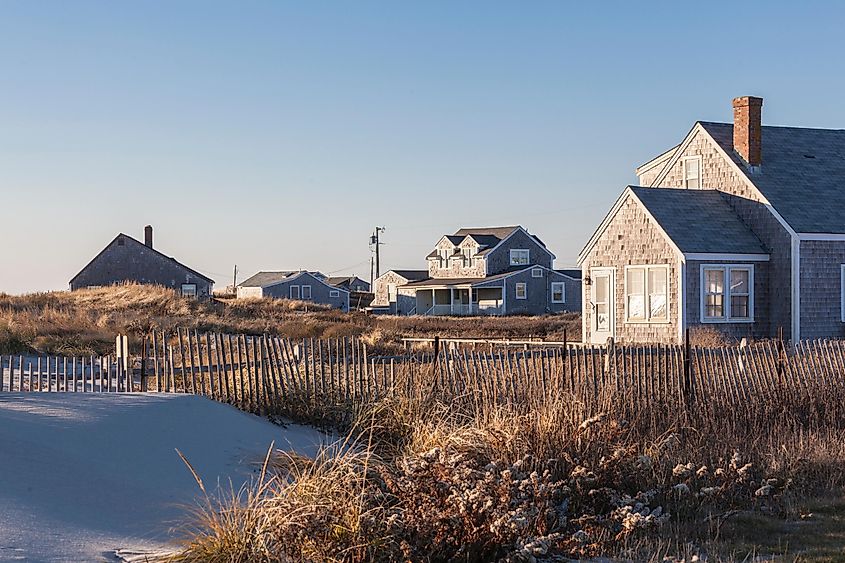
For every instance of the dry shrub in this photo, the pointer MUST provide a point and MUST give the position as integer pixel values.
(423, 479)
(709, 337)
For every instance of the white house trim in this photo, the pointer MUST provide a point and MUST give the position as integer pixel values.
(682, 300)
(656, 161)
(838, 237)
(842, 292)
(704, 256)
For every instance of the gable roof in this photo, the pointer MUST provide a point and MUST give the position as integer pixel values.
(148, 248)
(802, 174)
(411, 275)
(316, 276)
(716, 227)
(340, 280)
(263, 279)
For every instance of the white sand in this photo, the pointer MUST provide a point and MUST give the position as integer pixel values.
(85, 475)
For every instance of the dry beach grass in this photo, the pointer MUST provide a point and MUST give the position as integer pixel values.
(86, 321)
(422, 479)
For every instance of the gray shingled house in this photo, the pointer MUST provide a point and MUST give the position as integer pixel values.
(296, 285)
(389, 294)
(493, 271)
(126, 259)
(740, 227)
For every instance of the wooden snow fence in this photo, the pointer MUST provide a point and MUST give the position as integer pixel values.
(264, 374)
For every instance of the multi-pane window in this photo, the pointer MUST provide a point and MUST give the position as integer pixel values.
(727, 293)
(334, 293)
(521, 291)
(520, 257)
(536, 272)
(692, 172)
(306, 292)
(646, 293)
(189, 290)
(294, 292)
(558, 292)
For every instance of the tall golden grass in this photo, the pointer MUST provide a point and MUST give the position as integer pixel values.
(86, 321)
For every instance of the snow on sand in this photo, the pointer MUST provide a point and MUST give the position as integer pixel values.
(84, 475)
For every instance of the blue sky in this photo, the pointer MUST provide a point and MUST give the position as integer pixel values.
(276, 135)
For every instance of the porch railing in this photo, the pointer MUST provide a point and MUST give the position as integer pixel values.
(460, 309)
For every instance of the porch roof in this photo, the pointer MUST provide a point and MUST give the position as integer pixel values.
(442, 283)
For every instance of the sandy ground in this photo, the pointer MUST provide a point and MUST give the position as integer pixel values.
(83, 476)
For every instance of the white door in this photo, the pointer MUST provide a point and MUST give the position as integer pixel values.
(603, 307)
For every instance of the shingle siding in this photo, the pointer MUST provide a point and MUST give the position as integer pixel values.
(134, 262)
(821, 289)
(631, 238)
(538, 299)
(404, 304)
(499, 260)
(718, 173)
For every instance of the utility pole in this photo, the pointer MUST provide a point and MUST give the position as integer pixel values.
(235, 280)
(375, 243)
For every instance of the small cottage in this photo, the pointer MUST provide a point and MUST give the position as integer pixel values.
(126, 259)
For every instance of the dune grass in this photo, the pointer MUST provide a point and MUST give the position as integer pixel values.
(86, 321)
(427, 479)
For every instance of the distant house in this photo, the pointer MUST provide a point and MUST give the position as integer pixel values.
(739, 228)
(350, 283)
(126, 259)
(296, 285)
(492, 271)
(389, 293)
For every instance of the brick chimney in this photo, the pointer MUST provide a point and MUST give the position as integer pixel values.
(748, 129)
(148, 236)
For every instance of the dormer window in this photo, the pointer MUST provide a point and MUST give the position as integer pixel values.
(692, 172)
(520, 257)
(444, 257)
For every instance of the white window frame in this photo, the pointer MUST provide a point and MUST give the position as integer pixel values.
(726, 301)
(536, 272)
(562, 286)
(647, 268)
(191, 295)
(842, 292)
(524, 287)
(298, 293)
(684, 178)
(303, 291)
(518, 251)
(334, 293)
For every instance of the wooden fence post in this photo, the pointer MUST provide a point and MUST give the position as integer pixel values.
(687, 371)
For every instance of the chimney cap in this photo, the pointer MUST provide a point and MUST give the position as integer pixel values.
(743, 101)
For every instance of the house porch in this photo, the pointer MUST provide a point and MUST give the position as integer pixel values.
(460, 300)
